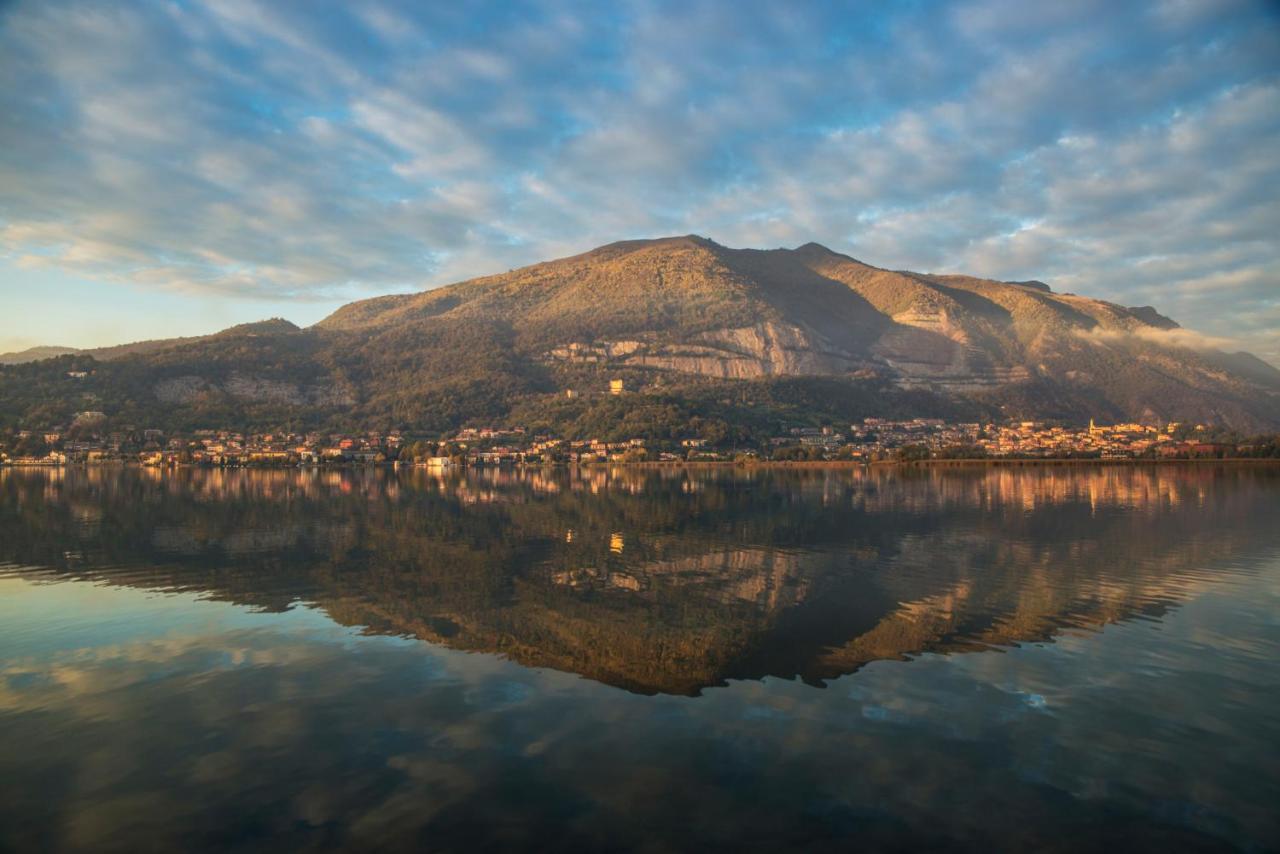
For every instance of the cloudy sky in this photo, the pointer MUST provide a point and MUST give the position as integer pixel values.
(175, 167)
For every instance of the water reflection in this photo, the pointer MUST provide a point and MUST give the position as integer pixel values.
(659, 581)
(144, 707)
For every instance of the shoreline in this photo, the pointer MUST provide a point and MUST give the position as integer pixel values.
(1005, 461)
(1070, 461)
(692, 464)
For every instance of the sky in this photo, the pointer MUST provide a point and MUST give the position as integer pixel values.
(172, 168)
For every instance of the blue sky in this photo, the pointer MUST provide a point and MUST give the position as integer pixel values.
(175, 167)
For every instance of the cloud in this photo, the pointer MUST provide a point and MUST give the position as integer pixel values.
(254, 149)
(1185, 338)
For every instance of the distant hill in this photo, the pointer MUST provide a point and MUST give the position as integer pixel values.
(739, 337)
(116, 351)
(34, 354)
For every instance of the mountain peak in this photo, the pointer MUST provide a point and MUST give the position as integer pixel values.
(647, 242)
(1148, 315)
(271, 326)
(816, 252)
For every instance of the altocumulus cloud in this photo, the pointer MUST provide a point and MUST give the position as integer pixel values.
(318, 151)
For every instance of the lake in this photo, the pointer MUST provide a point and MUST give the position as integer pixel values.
(1008, 658)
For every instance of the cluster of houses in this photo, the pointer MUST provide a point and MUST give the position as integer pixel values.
(880, 438)
(870, 440)
(204, 447)
(226, 448)
(876, 438)
(545, 449)
(1117, 441)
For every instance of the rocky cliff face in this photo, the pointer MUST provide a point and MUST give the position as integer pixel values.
(763, 350)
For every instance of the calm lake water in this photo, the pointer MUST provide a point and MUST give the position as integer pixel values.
(986, 658)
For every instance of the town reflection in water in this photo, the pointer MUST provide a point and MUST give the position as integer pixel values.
(986, 656)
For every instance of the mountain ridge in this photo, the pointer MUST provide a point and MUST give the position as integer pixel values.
(684, 320)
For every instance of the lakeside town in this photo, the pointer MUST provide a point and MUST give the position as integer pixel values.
(871, 440)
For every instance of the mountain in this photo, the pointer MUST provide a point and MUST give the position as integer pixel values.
(35, 354)
(739, 336)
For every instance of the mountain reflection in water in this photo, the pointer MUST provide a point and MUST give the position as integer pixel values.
(656, 581)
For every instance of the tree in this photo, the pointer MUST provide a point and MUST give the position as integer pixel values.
(912, 453)
(31, 446)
